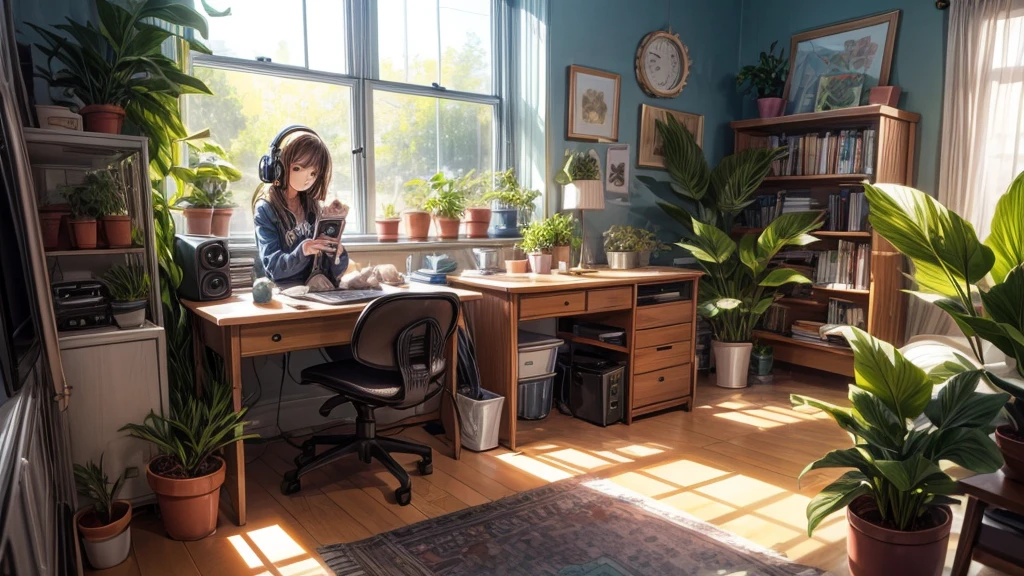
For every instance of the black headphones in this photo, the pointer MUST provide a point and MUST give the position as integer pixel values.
(271, 170)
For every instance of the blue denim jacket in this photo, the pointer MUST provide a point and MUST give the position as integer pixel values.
(281, 254)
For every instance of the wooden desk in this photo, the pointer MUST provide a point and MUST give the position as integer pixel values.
(981, 539)
(238, 328)
(659, 338)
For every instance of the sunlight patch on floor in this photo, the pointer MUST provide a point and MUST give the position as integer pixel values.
(307, 567)
(740, 490)
(773, 416)
(789, 412)
(643, 484)
(791, 510)
(733, 405)
(685, 472)
(535, 467)
(640, 451)
(613, 456)
(703, 508)
(747, 419)
(578, 459)
(275, 547)
(275, 543)
(245, 551)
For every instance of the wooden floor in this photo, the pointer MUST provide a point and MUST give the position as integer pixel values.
(733, 461)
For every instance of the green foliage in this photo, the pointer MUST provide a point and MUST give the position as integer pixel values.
(714, 196)
(578, 166)
(739, 287)
(649, 242)
(93, 483)
(894, 462)
(950, 265)
(120, 63)
(558, 230)
(619, 238)
(207, 178)
(508, 192)
(99, 194)
(445, 197)
(127, 282)
(388, 211)
(537, 238)
(200, 427)
(767, 78)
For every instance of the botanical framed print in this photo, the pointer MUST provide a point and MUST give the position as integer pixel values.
(836, 66)
(593, 104)
(650, 153)
(616, 178)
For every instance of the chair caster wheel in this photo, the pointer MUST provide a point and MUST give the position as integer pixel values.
(302, 459)
(403, 496)
(426, 468)
(290, 483)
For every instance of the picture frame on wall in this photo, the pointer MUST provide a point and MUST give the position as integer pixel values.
(837, 65)
(649, 152)
(593, 113)
(616, 178)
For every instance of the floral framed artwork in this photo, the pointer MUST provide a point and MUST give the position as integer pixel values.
(650, 153)
(593, 105)
(836, 66)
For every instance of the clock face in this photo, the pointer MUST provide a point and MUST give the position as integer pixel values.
(663, 64)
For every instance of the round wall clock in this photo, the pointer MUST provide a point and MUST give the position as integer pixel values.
(662, 64)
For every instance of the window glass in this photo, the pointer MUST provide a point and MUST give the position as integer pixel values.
(327, 42)
(260, 28)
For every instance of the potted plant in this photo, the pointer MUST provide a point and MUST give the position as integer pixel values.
(197, 208)
(511, 205)
(206, 183)
(445, 202)
(954, 270)
(477, 215)
(517, 262)
(622, 246)
(649, 244)
(128, 285)
(766, 79)
(387, 224)
(896, 495)
(86, 204)
(123, 72)
(416, 220)
(562, 231)
(187, 474)
(537, 243)
(50, 220)
(105, 525)
(117, 224)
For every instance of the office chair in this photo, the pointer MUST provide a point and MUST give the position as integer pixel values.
(398, 346)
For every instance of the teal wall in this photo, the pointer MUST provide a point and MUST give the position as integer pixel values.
(918, 61)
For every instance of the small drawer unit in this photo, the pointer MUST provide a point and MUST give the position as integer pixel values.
(552, 305)
(663, 347)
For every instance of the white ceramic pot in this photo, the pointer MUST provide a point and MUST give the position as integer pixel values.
(540, 263)
(108, 553)
(732, 362)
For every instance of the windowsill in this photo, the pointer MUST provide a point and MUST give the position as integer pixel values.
(369, 243)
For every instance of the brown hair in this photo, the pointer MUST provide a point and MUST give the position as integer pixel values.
(306, 150)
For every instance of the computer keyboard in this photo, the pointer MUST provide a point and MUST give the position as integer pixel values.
(337, 297)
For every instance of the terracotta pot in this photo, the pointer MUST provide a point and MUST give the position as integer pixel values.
(447, 228)
(885, 95)
(84, 232)
(516, 266)
(188, 506)
(105, 118)
(118, 230)
(50, 224)
(561, 254)
(874, 550)
(90, 530)
(387, 230)
(198, 221)
(220, 225)
(1013, 453)
(732, 363)
(416, 224)
(770, 107)
(477, 221)
(540, 263)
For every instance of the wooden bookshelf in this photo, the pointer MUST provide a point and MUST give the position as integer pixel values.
(884, 302)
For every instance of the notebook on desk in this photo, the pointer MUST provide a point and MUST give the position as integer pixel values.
(338, 297)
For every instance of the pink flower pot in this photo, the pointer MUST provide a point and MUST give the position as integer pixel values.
(770, 107)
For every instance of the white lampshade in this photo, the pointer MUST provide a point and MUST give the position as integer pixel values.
(583, 195)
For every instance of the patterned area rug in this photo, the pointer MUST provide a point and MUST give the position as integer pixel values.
(577, 527)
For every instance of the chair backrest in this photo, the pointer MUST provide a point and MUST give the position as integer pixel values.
(407, 332)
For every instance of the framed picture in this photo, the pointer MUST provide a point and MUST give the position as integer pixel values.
(593, 104)
(616, 178)
(836, 66)
(650, 153)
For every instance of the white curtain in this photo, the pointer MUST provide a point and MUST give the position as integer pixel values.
(982, 122)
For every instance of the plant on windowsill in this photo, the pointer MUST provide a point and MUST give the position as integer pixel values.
(207, 204)
(188, 473)
(477, 216)
(128, 285)
(387, 223)
(766, 80)
(511, 204)
(86, 202)
(416, 220)
(898, 496)
(445, 202)
(105, 525)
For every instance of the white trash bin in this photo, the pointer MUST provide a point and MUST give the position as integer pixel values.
(480, 420)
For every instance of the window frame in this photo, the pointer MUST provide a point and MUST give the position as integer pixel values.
(362, 79)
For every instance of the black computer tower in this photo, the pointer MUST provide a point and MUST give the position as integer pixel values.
(597, 391)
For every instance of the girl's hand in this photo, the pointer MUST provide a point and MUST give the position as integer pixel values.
(321, 244)
(336, 208)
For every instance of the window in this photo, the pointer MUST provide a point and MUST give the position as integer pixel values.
(399, 89)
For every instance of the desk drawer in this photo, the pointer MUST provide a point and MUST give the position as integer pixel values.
(664, 335)
(658, 357)
(664, 314)
(261, 339)
(609, 299)
(553, 305)
(661, 386)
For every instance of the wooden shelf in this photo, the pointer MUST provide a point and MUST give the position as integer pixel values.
(96, 252)
(591, 342)
(779, 338)
(842, 290)
(817, 179)
(801, 301)
(862, 115)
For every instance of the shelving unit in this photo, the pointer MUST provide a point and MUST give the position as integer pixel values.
(883, 302)
(570, 337)
(96, 252)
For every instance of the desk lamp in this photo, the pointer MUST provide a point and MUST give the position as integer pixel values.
(583, 195)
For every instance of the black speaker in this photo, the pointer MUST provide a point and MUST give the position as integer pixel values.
(205, 267)
(597, 391)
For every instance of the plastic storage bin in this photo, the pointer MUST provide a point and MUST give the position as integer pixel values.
(535, 397)
(537, 354)
(480, 420)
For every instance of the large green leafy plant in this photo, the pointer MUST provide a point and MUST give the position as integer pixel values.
(980, 285)
(739, 286)
(205, 182)
(895, 461)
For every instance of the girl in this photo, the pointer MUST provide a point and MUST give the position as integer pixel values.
(285, 217)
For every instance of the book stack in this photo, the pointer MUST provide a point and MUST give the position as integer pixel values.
(846, 312)
(775, 319)
(768, 207)
(241, 272)
(842, 152)
(847, 268)
(819, 333)
(847, 211)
